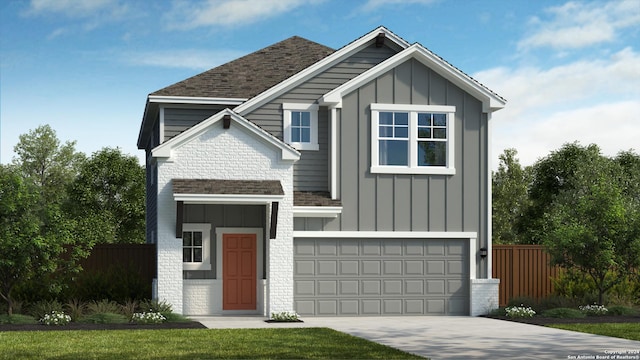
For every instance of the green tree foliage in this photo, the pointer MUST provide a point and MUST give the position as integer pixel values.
(107, 197)
(46, 163)
(585, 219)
(30, 247)
(510, 198)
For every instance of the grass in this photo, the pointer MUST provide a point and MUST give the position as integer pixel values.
(300, 343)
(629, 331)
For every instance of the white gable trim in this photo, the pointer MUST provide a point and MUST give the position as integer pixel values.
(165, 150)
(491, 102)
(317, 68)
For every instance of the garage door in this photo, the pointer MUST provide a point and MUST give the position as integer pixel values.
(370, 277)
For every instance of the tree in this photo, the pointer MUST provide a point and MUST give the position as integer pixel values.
(109, 192)
(49, 165)
(510, 198)
(588, 222)
(29, 247)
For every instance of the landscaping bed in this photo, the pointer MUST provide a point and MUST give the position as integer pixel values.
(88, 326)
(541, 320)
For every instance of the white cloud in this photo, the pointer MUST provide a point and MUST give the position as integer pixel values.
(229, 13)
(190, 59)
(592, 101)
(577, 24)
(75, 8)
(371, 5)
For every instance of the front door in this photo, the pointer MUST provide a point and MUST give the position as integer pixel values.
(239, 271)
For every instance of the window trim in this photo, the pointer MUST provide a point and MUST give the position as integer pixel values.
(287, 108)
(206, 246)
(413, 167)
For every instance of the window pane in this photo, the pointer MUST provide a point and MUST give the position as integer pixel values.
(305, 118)
(432, 153)
(424, 119)
(386, 131)
(295, 134)
(402, 132)
(197, 238)
(393, 152)
(402, 118)
(197, 255)
(305, 135)
(424, 133)
(439, 120)
(295, 118)
(386, 118)
(186, 238)
(439, 133)
(186, 255)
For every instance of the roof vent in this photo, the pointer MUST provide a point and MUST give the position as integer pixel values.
(380, 40)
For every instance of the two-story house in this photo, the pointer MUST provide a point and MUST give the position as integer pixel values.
(346, 182)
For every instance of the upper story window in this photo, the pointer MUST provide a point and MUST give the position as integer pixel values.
(195, 246)
(300, 125)
(412, 139)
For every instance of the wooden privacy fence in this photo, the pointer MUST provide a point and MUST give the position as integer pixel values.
(523, 270)
(135, 257)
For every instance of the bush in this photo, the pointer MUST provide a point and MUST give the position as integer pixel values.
(105, 318)
(593, 310)
(554, 302)
(75, 308)
(523, 301)
(519, 312)
(17, 319)
(622, 311)
(563, 313)
(117, 283)
(41, 308)
(501, 311)
(155, 306)
(284, 316)
(148, 318)
(104, 306)
(56, 318)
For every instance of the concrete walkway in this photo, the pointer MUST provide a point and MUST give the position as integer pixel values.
(459, 337)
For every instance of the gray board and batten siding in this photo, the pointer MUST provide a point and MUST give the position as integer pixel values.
(237, 216)
(403, 202)
(373, 277)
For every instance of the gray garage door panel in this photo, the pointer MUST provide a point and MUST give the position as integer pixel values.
(360, 277)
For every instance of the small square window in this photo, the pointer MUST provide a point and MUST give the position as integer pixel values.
(195, 246)
(300, 125)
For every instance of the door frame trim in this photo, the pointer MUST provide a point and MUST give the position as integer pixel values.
(259, 232)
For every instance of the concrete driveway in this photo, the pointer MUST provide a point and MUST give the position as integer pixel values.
(460, 337)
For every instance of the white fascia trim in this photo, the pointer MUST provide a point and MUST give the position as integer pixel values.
(317, 211)
(165, 150)
(388, 234)
(317, 68)
(195, 100)
(227, 198)
(491, 102)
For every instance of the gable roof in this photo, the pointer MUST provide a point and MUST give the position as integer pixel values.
(490, 100)
(165, 150)
(251, 74)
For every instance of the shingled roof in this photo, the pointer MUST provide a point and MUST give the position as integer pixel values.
(229, 187)
(251, 74)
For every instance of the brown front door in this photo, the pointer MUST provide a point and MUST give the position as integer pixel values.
(239, 271)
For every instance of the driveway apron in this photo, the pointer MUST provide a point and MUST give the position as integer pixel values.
(449, 337)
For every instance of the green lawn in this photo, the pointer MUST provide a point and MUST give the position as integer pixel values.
(301, 343)
(629, 331)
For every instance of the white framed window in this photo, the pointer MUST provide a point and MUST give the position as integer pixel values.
(196, 243)
(412, 139)
(300, 125)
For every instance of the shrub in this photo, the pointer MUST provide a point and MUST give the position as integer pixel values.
(104, 306)
(129, 307)
(563, 313)
(155, 306)
(75, 308)
(56, 318)
(523, 301)
(501, 311)
(17, 319)
(594, 310)
(284, 316)
(148, 318)
(41, 308)
(554, 302)
(118, 283)
(105, 318)
(622, 311)
(518, 312)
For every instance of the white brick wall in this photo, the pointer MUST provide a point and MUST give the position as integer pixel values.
(484, 296)
(232, 154)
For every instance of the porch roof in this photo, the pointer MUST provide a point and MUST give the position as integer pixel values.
(314, 198)
(233, 191)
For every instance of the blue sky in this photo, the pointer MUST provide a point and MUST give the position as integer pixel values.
(569, 70)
